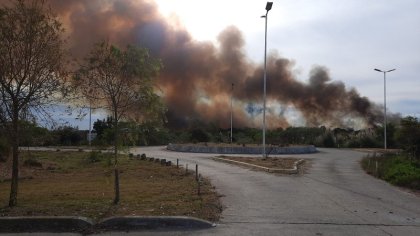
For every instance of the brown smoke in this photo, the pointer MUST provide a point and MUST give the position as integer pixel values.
(197, 76)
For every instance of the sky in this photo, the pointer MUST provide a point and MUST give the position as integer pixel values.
(349, 37)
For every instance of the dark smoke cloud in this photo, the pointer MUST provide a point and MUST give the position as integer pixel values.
(197, 76)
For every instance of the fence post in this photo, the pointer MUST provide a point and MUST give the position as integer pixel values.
(196, 172)
(199, 185)
(186, 169)
(177, 163)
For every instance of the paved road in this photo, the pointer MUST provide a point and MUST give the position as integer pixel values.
(335, 197)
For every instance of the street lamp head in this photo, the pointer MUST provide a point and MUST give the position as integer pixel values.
(268, 6)
(391, 70)
(378, 70)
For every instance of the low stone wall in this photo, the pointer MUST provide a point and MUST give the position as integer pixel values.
(241, 150)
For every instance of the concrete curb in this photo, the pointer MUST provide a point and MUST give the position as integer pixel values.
(44, 224)
(294, 170)
(65, 224)
(153, 222)
(240, 149)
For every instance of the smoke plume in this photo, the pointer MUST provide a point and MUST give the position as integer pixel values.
(197, 77)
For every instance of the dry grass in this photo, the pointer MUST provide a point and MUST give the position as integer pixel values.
(271, 162)
(69, 183)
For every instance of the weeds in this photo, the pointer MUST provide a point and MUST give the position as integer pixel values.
(395, 169)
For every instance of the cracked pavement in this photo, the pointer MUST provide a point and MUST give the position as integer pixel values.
(334, 197)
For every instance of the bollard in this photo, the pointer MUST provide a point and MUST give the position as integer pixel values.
(177, 163)
(376, 168)
(196, 172)
(186, 169)
(199, 185)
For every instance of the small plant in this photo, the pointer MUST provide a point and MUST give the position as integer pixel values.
(94, 156)
(32, 162)
(3, 158)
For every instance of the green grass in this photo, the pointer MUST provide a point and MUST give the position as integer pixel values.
(396, 169)
(79, 183)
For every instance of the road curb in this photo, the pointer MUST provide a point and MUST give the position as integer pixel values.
(65, 224)
(153, 222)
(272, 150)
(44, 224)
(294, 170)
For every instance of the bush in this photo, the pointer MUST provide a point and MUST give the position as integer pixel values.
(403, 174)
(94, 156)
(32, 162)
(397, 170)
(4, 150)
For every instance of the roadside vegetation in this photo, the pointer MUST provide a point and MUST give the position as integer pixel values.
(402, 169)
(397, 169)
(81, 184)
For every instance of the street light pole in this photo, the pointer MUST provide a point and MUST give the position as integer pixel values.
(267, 8)
(231, 115)
(385, 146)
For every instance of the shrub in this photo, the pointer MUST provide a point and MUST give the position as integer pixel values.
(32, 162)
(404, 174)
(94, 156)
(397, 170)
(4, 150)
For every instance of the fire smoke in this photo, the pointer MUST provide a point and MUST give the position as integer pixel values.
(197, 76)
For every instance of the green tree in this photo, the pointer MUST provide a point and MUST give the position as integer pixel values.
(31, 69)
(120, 81)
(408, 136)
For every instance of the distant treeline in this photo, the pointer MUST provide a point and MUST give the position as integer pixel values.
(405, 135)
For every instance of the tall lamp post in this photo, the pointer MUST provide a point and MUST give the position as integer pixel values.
(384, 71)
(267, 8)
(231, 115)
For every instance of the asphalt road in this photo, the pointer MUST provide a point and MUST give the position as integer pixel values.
(334, 197)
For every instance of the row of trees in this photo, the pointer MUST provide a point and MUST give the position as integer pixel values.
(34, 74)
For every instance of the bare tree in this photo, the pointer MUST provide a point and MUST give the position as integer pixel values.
(121, 83)
(30, 68)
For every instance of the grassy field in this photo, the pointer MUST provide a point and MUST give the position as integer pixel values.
(81, 184)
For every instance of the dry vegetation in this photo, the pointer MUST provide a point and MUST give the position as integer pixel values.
(81, 184)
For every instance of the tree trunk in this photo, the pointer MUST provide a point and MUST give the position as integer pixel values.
(117, 186)
(116, 172)
(15, 165)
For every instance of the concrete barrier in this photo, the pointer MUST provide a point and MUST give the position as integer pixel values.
(44, 224)
(270, 150)
(67, 224)
(128, 223)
